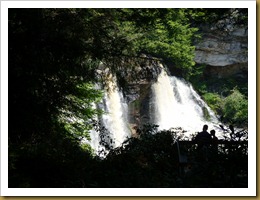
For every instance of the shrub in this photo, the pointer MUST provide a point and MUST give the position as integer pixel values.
(235, 108)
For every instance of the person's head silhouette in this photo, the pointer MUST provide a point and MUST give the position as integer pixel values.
(205, 127)
(213, 132)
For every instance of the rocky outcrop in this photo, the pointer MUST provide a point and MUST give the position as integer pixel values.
(215, 50)
(223, 47)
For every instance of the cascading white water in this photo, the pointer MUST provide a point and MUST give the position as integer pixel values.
(163, 102)
(115, 119)
(176, 104)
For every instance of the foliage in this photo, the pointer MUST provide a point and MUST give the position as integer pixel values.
(49, 72)
(170, 37)
(78, 113)
(197, 79)
(235, 108)
(138, 162)
(227, 97)
(214, 101)
(212, 15)
(152, 160)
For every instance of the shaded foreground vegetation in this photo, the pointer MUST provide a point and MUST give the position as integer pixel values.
(151, 160)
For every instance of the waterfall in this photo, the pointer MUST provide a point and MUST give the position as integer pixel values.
(113, 123)
(115, 119)
(176, 104)
(163, 102)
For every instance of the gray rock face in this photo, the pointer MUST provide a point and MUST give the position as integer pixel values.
(220, 51)
(223, 46)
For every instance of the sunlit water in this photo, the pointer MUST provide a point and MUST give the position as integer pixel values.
(115, 119)
(176, 104)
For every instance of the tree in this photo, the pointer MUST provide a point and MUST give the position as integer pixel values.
(49, 72)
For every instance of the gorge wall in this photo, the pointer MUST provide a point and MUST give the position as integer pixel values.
(223, 47)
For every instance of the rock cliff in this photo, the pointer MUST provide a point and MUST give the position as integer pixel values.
(223, 47)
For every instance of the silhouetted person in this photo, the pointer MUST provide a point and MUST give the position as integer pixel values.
(203, 139)
(213, 136)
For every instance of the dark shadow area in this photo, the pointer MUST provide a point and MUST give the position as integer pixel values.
(153, 159)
